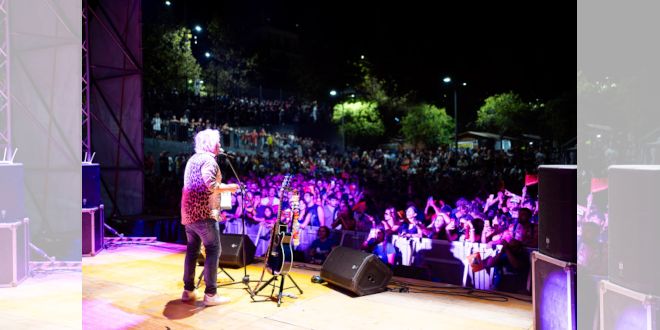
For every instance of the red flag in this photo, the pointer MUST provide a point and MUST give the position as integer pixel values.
(360, 207)
(598, 184)
(531, 179)
(313, 168)
(344, 175)
(309, 189)
(405, 167)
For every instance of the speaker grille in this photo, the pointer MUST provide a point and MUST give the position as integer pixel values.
(551, 299)
(633, 227)
(557, 202)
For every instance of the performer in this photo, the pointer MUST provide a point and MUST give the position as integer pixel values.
(199, 209)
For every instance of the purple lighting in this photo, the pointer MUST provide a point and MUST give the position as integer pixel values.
(631, 318)
(553, 304)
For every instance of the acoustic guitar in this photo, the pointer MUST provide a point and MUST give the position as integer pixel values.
(280, 254)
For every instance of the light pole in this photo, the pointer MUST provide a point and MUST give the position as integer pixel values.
(343, 145)
(448, 80)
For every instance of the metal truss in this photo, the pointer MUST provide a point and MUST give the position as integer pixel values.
(5, 78)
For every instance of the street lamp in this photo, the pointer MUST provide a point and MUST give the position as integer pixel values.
(448, 80)
(167, 3)
(343, 145)
(198, 28)
(207, 54)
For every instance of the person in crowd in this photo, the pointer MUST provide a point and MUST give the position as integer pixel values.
(523, 230)
(592, 260)
(413, 227)
(268, 218)
(512, 267)
(315, 210)
(149, 163)
(345, 220)
(379, 244)
(156, 122)
(392, 222)
(330, 209)
(322, 246)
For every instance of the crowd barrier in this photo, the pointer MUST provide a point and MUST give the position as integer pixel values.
(448, 260)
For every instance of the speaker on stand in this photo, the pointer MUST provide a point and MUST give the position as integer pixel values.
(630, 297)
(554, 266)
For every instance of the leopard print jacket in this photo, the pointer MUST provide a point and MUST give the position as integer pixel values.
(198, 198)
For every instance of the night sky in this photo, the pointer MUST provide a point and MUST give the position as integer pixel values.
(494, 47)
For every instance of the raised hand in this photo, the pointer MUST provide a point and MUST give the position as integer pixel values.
(590, 199)
(524, 190)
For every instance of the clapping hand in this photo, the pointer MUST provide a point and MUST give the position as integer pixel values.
(507, 193)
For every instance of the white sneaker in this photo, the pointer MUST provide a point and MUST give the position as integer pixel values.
(189, 295)
(215, 300)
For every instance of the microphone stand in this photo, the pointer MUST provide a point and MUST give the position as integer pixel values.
(246, 277)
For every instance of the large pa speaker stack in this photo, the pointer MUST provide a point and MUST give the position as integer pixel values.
(554, 269)
(12, 192)
(93, 230)
(14, 254)
(356, 271)
(91, 185)
(557, 199)
(629, 299)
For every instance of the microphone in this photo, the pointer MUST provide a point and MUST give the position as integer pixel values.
(222, 152)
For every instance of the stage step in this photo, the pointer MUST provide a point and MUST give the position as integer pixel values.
(62, 246)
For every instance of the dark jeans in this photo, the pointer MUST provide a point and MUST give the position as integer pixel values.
(203, 232)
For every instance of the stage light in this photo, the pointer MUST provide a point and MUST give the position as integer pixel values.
(447, 79)
(208, 54)
(333, 93)
(198, 28)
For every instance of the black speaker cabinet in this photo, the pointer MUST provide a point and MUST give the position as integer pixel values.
(554, 292)
(557, 198)
(91, 185)
(621, 308)
(634, 196)
(12, 195)
(232, 251)
(14, 254)
(93, 221)
(359, 272)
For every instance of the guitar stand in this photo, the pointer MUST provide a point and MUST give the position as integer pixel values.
(281, 287)
(220, 269)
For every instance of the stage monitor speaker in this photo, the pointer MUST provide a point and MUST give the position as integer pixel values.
(557, 198)
(554, 285)
(232, 251)
(622, 308)
(12, 192)
(93, 229)
(91, 185)
(633, 227)
(14, 254)
(359, 272)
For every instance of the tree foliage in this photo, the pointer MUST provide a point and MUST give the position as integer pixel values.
(361, 121)
(506, 114)
(168, 58)
(637, 101)
(426, 123)
(230, 62)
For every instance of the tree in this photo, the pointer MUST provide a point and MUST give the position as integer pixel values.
(361, 121)
(559, 118)
(168, 58)
(231, 64)
(637, 102)
(426, 123)
(506, 114)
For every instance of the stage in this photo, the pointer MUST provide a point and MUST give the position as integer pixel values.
(140, 286)
(52, 302)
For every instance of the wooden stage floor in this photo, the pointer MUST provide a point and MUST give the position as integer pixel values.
(140, 286)
(53, 302)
